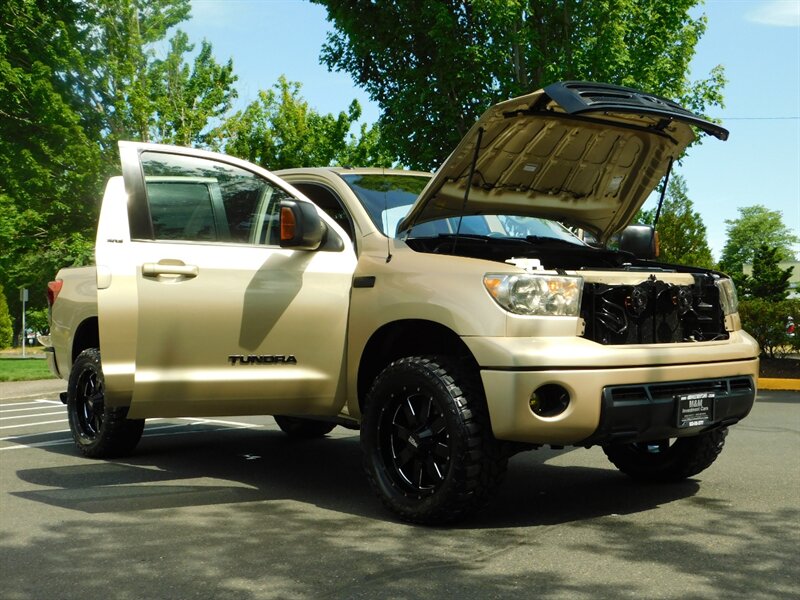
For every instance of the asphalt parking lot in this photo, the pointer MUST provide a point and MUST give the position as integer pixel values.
(233, 509)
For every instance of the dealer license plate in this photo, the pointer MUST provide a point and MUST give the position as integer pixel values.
(695, 409)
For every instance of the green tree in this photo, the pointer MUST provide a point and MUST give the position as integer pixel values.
(136, 96)
(187, 99)
(76, 77)
(49, 156)
(433, 66)
(768, 281)
(123, 34)
(755, 226)
(681, 231)
(6, 329)
(281, 130)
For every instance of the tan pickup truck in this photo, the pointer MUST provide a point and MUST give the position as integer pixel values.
(455, 318)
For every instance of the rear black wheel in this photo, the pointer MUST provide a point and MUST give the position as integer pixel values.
(668, 460)
(428, 448)
(297, 427)
(99, 430)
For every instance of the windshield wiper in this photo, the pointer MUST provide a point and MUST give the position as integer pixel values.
(538, 239)
(481, 237)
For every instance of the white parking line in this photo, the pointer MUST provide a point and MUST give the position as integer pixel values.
(40, 444)
(221, 422)
(23, 396)
(153, 432)
(40, 401)
(13, 438)
(30, 408)
(32, 424)
(32, 415)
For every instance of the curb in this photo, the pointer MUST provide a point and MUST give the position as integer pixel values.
(765, 383)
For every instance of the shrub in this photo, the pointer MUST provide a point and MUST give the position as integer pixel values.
(766, 322)
(6, 329)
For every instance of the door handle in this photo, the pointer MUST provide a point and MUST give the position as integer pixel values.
(156, 269)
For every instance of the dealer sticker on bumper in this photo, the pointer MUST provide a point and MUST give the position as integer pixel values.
(695, 409)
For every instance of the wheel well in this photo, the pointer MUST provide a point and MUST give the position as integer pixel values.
(86, 336)
(407, 338)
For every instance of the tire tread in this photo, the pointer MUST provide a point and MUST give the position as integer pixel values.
(685, 458)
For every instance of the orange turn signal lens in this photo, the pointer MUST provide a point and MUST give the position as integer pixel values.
(288, 224)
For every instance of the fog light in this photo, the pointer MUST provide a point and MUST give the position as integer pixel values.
(549, 400)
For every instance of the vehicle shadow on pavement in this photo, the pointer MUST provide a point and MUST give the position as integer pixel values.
(247, 466)
(252, 515)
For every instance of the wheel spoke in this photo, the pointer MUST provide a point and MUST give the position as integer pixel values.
(408, 411)
(433, 470)
(417, 474)
(402, 433)
(441, 450)
(426, 412)
(405, 456)
(439, 425)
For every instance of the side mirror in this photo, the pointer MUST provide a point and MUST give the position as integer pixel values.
(301, 227)
(640, 240)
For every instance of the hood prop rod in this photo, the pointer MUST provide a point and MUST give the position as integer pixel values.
(663, 192)
(469, 185)
(661, 198)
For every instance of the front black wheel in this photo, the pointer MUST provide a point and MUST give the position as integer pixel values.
(668, 460)
(99, 430)
(300, 428)
(428, 448)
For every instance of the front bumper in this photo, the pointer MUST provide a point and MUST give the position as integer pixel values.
(616, 404)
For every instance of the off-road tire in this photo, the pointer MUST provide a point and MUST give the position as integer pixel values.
(427, 443)
(99, 430)
(300, 428)
(663, 462)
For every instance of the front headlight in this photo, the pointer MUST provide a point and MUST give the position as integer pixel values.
(727, 296)
(544, 295)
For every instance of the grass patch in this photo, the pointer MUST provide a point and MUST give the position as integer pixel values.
(24, 369)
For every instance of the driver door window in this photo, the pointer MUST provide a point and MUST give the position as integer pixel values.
(193, 199)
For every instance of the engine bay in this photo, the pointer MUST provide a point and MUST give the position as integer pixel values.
(650, 311)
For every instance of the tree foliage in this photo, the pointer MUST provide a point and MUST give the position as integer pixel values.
(433, 66)
(121, 73)
(137, 96)
(49, 158)
(768, 281)
(76, 77)
(681, 231)
(188, 99)
(766, 321)
(281, 130)
(755, 226)
(6, 331)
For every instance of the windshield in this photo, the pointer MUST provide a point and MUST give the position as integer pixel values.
(388, 197)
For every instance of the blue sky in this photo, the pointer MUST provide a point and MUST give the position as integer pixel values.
(758, 43)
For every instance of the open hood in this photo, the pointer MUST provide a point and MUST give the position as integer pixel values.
(586, 154)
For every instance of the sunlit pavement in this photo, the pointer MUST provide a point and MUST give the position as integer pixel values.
(231, 508)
